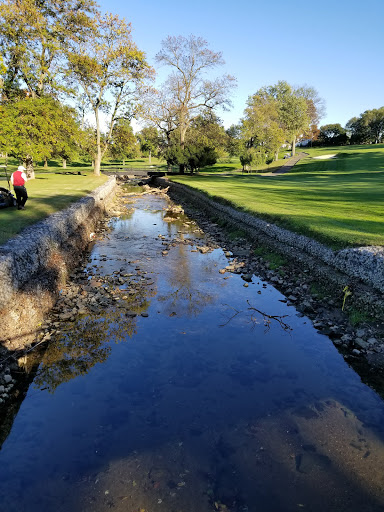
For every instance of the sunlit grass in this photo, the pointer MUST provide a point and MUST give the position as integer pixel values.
(337, 201)
(48, 193)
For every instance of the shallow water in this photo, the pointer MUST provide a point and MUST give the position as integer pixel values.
(204, 404)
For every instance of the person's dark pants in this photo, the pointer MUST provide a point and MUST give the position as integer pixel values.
(21, 196)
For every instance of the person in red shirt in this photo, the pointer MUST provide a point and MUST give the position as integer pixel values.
(18, 180)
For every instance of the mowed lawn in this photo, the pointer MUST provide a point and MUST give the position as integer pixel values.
(48, 193)
(338, 201)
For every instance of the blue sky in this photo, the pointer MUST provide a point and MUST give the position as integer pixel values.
(335, 46)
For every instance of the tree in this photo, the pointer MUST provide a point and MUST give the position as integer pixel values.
(149, 140)
(357, 131)
(34, 128)
(33, 38)
(315, 104)
(234, 140)
(374, 121)
(123, 142)
(262, 124)
(333, 135)
(207, 131)
(189, 91)
(279, 112)
(198, 157)
(110, 70)
(293, 112)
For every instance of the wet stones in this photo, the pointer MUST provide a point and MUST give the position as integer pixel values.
(296, 281)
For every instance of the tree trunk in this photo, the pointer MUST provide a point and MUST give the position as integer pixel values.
(149, 158)
(64, 163)
(183, 131)
(294, 146)
(45, 163)
(276, 156)
(28, 164)
(96, 169)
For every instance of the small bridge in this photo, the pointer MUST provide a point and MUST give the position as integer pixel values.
(132, 174)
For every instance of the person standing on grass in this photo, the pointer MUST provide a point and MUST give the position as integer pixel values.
(18, 180)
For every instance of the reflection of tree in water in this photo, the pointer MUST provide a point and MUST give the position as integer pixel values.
(75, 353)
(87, 342)
(185, 298)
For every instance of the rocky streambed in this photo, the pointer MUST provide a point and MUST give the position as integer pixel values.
(87, 292)
(181, 369)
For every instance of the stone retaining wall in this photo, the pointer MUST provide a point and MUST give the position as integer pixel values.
(34, 264)
(363, 263)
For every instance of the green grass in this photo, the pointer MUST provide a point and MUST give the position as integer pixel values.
(48, 193)
(338, 201)
(274, 259)
(357, 317)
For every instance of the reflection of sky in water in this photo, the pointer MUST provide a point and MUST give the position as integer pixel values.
(203, 405)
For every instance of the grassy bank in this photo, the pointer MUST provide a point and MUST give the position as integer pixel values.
(48, 193)
(338, 201)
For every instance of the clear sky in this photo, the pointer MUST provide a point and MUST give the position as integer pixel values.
(335, 46)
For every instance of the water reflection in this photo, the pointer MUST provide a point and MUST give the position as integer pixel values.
(185, 295)
(185, 413)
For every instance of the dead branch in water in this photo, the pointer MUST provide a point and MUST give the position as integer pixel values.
(267, 319)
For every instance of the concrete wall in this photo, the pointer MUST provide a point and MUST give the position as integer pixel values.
(363, 263)
(34, 264)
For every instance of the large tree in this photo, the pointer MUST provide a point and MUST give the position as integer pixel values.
(293, 111)
(374, 121)
(261, 126)
(189, 92)
(110, 70)
(281, 110)
(33, 37)
(333, 135)
(36, 128)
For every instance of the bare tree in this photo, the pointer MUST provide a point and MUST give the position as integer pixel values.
(188, 92)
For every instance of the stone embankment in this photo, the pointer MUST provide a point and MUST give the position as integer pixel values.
(348, 267)
(34, 265)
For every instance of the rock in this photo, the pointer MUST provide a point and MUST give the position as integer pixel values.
(65, 316)
(2, 389)
(356, 352)
(222, 271)
(361, 343)
(7, 379)
(308, 462)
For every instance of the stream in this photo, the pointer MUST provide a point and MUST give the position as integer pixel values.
(184, 388)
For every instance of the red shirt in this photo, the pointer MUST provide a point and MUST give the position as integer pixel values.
(18, 179)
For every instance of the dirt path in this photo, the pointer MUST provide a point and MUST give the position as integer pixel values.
(287, 166)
